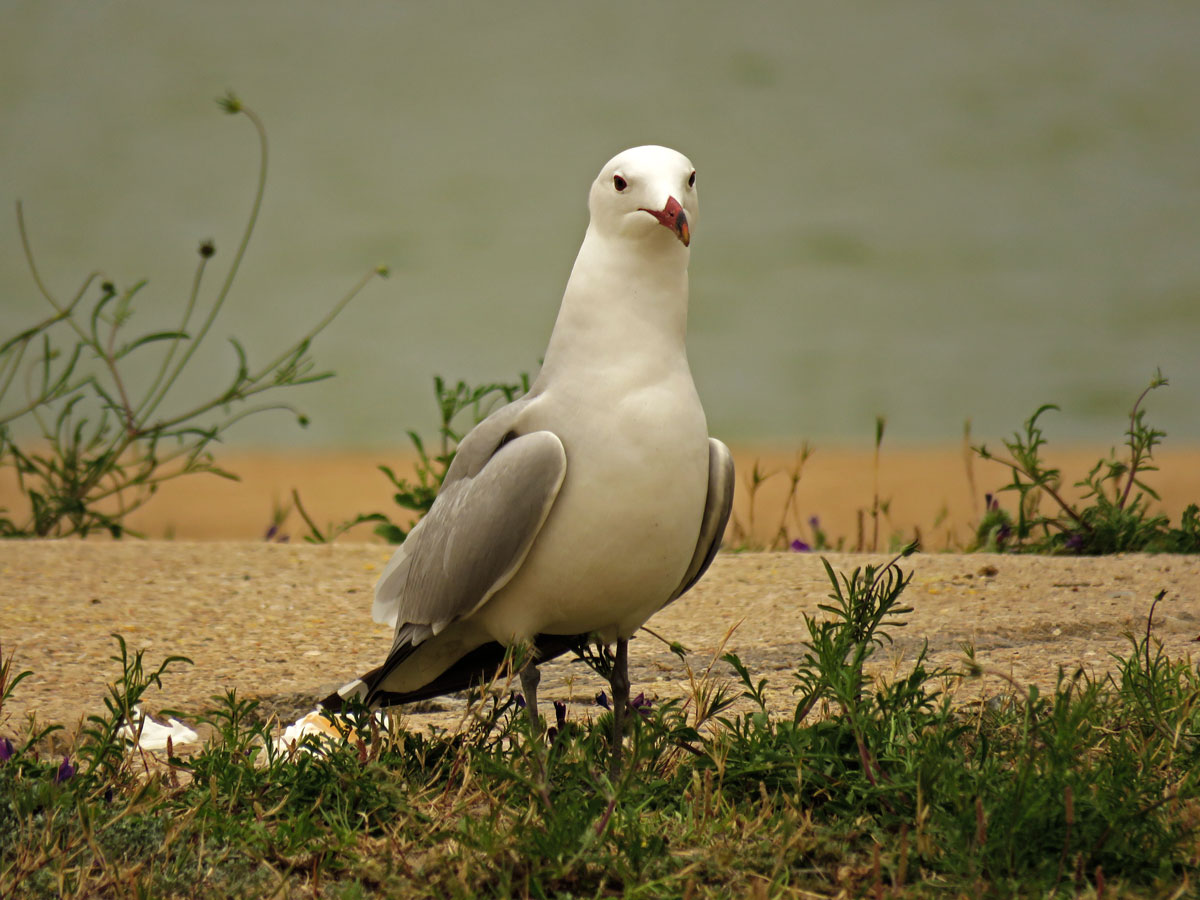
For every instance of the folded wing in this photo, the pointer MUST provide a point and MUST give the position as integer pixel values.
(494, 500)
(717, 506)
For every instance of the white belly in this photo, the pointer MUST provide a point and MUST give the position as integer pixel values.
(624, 527)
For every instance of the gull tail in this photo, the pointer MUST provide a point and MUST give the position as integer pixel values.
(476, 667)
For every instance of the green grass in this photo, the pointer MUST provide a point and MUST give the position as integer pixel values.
(863, 787)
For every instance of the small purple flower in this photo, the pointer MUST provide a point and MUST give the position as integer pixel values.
(65, 771)
(602, 700)
(6, 750)
(990, 502)
(275, 534)
(560, 714)
(798, 546)
(641, 704)
(520, 700)
(814, 522)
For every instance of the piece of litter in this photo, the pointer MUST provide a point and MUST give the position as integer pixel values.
(154, 734)
(314, 722)
(320, 723)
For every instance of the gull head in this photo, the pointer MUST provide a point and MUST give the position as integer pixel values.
(646, 194)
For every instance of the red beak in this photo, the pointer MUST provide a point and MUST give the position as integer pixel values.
(674, 218)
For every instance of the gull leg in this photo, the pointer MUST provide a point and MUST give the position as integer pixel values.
(620, 692)
(530, 678)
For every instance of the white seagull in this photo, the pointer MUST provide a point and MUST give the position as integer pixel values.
(583, 508)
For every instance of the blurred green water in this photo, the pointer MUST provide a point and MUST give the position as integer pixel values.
(931, 211)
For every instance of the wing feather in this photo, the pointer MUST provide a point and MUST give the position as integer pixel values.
(473, 453)
(717, 506)
(493, 503)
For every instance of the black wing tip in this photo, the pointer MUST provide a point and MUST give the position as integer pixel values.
(334, 703)
(475, 667)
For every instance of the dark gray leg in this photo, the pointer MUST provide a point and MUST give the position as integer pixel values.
(620, 692)
(530, 678)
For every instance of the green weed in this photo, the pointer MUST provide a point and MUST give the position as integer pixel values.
(742, 532)
(455, 403)
(106, 436)
(790, 533)
(452, 403)
(1114, 514)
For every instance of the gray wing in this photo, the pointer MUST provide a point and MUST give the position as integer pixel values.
(716, 514)
(492, 504)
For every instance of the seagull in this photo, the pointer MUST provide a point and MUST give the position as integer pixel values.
(581, 509)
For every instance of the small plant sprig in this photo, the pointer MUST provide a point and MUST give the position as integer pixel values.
(1116, 520)
(453, 402)
(8, 680)
(790, 533)
(104, 441)
(865, 605)
(102, 747)
(742, 534)
(877, 506)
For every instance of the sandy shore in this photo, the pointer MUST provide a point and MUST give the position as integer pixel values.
(288, 623)
(936, 491)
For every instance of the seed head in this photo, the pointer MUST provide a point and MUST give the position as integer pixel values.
(230, 103)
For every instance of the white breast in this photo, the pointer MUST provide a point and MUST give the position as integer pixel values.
(624, 527)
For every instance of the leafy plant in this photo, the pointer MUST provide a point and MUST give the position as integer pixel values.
(865, 605)
(105, 440)
(417, 496)
(1116, 520)
(102, 746)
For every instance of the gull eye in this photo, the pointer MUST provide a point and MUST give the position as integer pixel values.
(692, 179)
(620, 183)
